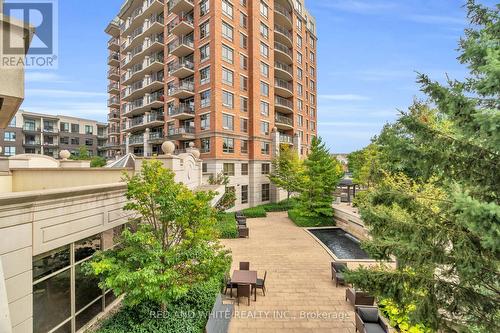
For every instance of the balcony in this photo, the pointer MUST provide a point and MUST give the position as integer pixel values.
(283, 71)
(114, 116)
(181, 68)
(283, 53)
(180, 6)
(50, 130)
(31, 128)
(114, 88)
(113, 44)
(181, 46)
(182, 90)
(181, 133)
(282, 15)
(135, 124)
(152, 64)
(146, 86)
(31, 143)
(136, 140)
(154, 25)
(114, 60)
(181, 25)
(283, 88)
(155, 119)
(114, 102)
(286, 139)
(114, 74)
(114, 130)
(156, 137)
(283, 35)
(182, 111)
(137, 54)
(51, 144)
(283, 123)
(283, 105)
(148, 102)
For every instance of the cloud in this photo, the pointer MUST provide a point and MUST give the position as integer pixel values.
(344, 97)
(438, 19)
(60, 93)
(45, 77)
(359, 6)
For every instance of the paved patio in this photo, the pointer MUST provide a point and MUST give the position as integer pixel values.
(301, 297)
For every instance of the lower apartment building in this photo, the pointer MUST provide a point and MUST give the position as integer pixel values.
(35, 133)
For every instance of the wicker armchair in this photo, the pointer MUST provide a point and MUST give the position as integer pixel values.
(357, 297)
(368, 320)
(338, 269)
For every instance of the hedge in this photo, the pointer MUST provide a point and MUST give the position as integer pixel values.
(262, 210)
(226, 226)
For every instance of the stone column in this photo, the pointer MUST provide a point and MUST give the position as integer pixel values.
(127, 147)
(147, 146)
(297, 144)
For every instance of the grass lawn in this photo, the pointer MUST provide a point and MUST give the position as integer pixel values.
(306, 221)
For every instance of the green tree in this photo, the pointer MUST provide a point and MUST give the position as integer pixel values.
(322, 175)
(228, 200)
(363, 165)
(174, 246)
(82, 155)
(97, 162)
(287, 171)
(436, 209)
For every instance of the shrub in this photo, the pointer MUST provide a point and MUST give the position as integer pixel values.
(258, 211)
(281, 206)
(97, 162)
(307, 221)
(226, 226)
(187, 315)
(400, 319)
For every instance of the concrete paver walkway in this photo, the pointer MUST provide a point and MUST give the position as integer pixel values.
(301, 297)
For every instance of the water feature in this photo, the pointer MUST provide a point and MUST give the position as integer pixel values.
(342, 244)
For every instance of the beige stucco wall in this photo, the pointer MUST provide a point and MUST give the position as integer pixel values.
(347, 218)
(35, 222)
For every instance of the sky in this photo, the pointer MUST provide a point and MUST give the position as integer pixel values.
(368, 54)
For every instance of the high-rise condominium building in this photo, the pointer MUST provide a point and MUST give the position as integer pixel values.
(236, 77)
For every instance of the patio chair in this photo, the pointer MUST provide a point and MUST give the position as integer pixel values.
(358, 297)
(368, 320)
(244, 290)
(229, 285)
(242, 221)
(338, 269)
(243, 232)
(244, 266)
(261, 284)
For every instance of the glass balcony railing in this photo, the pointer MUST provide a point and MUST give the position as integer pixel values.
(283, 120)
(283, 48)
(182, 108)
(283, 84)
(283, 102)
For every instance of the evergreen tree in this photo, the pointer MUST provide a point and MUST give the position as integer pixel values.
(322, 175)
(287, 171)
(436, 208)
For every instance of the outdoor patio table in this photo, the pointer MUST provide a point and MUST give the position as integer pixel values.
(245, 277)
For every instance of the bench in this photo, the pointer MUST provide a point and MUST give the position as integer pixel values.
(220, 317)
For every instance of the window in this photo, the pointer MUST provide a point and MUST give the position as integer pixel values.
(299, 58)
(243, 41)
(205, 145)
(243, 62)
(205, 121)
(64, 127)
(227, 54)
(311, 71)
(244, 169)
(311, 56)
(265, 192)
(10, 151)
(64, 140)
(75, 141)
(264, 50)
(313, 125)
(227, 99)
(264, 108)
(204, 29)
(264, 30)
(205, 52)
(300, 120)
(227, 76)
(205, 98)
(264, 69)
(227, 31)
(243, 21)
(264, 148)
(75, 128)
(299, 89)
(244, 146)
(9, 136)
(243, 83)
(300, 105)
(227, 8)
(227, 122)
(244, 194)
(228, 145)
(265, 168)
(243, 3)
(204, 7)
(89, 129)
(89, 142)
(205, 75)
(12, 122)
(244, 125)
(264, 127)
(264, 89)
(264, 10)
(228, 169)
(299, 24)
(299, 41)
(243, 104)
(204, 166)
(299, 73)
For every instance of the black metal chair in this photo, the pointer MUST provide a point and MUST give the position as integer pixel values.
(261, 284)
(244, 266)
(338, 269)
(229, 285)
